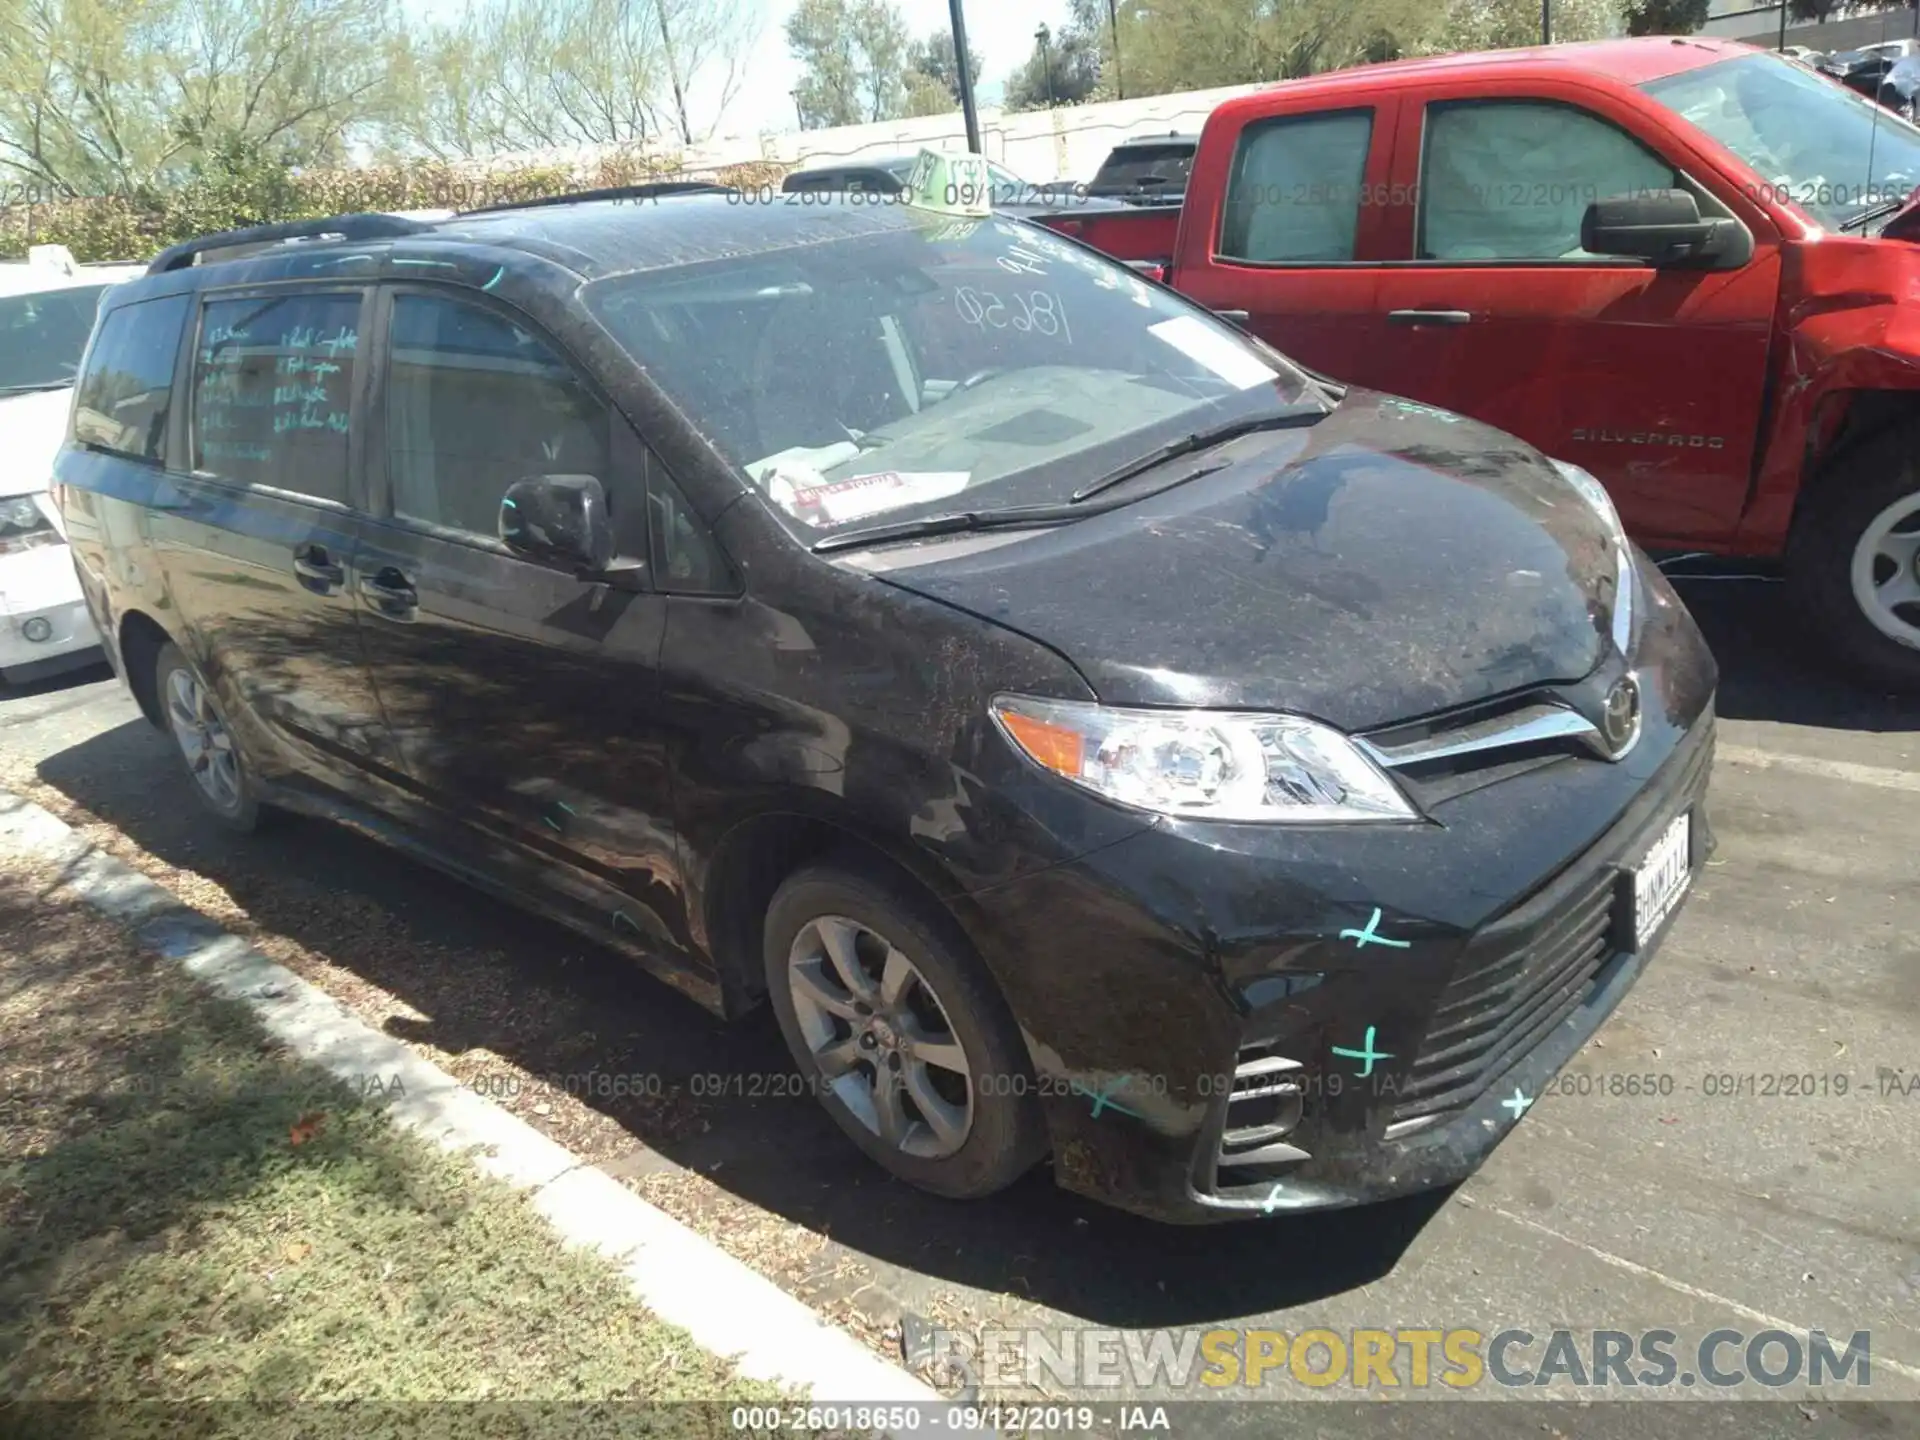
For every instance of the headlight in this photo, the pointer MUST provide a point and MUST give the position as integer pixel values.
(1595, 494)
(1210, 765)
(24, 525)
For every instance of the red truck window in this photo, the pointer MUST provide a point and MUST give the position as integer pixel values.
(1293, 196)
(1511, 179)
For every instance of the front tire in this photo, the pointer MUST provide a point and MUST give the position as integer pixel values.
(206, 744)
(906, 1040)
(1853, 566)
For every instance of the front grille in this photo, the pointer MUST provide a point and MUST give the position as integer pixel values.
(1514, 985)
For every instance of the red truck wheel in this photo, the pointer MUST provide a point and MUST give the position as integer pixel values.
(1854, 562)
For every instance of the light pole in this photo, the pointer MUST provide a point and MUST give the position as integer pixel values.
(1043, 36)
(1546, 22)
(798, 114)
(1784, 8)
(965, 72)
(1113, 23)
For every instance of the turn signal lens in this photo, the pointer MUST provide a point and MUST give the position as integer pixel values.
(1054, 746)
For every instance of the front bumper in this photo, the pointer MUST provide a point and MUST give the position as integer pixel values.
(40, 593)
(1415, 985)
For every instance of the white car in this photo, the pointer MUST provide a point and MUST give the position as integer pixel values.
(47, 308)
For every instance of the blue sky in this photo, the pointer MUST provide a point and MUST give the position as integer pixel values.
(1000, 32)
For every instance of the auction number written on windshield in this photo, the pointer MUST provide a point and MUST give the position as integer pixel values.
(1035, 310)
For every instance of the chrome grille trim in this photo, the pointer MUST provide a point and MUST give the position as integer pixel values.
(1528, 725)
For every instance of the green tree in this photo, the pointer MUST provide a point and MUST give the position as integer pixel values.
(1208, 43)
(1666, 17)
(1499, 24)
(933, 77)
(854, 59)
(506, 75)
(109, 96)
(1075, 57)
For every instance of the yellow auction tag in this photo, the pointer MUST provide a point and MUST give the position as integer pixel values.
(950, 185)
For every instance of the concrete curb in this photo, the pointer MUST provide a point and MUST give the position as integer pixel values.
(683, 1278)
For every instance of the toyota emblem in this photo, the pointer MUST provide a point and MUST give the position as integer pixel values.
(1620, 722)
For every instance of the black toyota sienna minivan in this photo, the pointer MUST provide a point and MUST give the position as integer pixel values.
(1096, 737)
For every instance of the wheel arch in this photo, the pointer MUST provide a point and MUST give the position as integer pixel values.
(140, 641)
(758, 854)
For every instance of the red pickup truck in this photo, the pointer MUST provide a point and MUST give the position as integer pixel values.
(1690, 266)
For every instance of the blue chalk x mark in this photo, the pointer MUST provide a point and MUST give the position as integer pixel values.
(551, 821)
(1367, 1055)
(1103, 1099)
(1369, 936)
(632, 924)
(495, 280)
(1273, 1198)
(1519, 1102)
(566, 807)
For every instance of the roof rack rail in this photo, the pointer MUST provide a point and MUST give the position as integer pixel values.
(654, 191)
(346, 227)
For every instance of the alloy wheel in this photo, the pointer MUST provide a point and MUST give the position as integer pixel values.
(204, 740)
(1886, 571)
(881, 1037)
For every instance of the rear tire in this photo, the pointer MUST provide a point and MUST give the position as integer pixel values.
(1853, 565)
(222, 779)
(900, 1031)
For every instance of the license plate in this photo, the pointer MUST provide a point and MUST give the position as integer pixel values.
(1662, 879)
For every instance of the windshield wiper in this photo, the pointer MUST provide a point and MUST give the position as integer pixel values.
(1867, 217)
(948, 522)
(1197, 441)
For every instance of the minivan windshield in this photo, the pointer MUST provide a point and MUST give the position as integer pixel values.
(43, 335)
(935, 365)
(1832, 152)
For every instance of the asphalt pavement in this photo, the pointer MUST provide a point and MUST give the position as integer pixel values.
(1714, 1196)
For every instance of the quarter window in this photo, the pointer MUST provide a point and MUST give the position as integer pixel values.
(1294, 192)
(273, 391)
(1511, 180)
(125, 394)
(474, 403)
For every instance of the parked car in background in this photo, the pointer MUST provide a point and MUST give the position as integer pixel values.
(1089, 732)
(47, 305)
(1688, 265)
(1870, 71)
(1152, 169)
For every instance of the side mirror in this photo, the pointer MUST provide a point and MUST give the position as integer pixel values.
(1664, 226)
(559, 520)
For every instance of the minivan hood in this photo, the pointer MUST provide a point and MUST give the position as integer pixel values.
(31, 429)
(1392, 561)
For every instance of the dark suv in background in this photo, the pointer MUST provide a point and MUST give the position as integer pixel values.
(1092, 733)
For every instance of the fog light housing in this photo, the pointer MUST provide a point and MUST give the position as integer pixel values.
(39, 629)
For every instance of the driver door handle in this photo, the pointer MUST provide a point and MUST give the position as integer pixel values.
(390, 593)
(1430, 317)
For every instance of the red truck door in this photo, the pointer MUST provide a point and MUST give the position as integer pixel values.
(1278, 221)
(1653, 379)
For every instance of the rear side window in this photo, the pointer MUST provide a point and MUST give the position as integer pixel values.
(125, 394)
(1152, 169)
(474, 403)
(273, 391)
(1512, 179)
(1294, 194)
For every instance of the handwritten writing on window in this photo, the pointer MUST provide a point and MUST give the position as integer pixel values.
(273, 391)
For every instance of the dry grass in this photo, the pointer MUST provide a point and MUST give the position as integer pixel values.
(188, 1212)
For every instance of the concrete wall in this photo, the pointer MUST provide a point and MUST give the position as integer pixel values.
(1037, 145)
